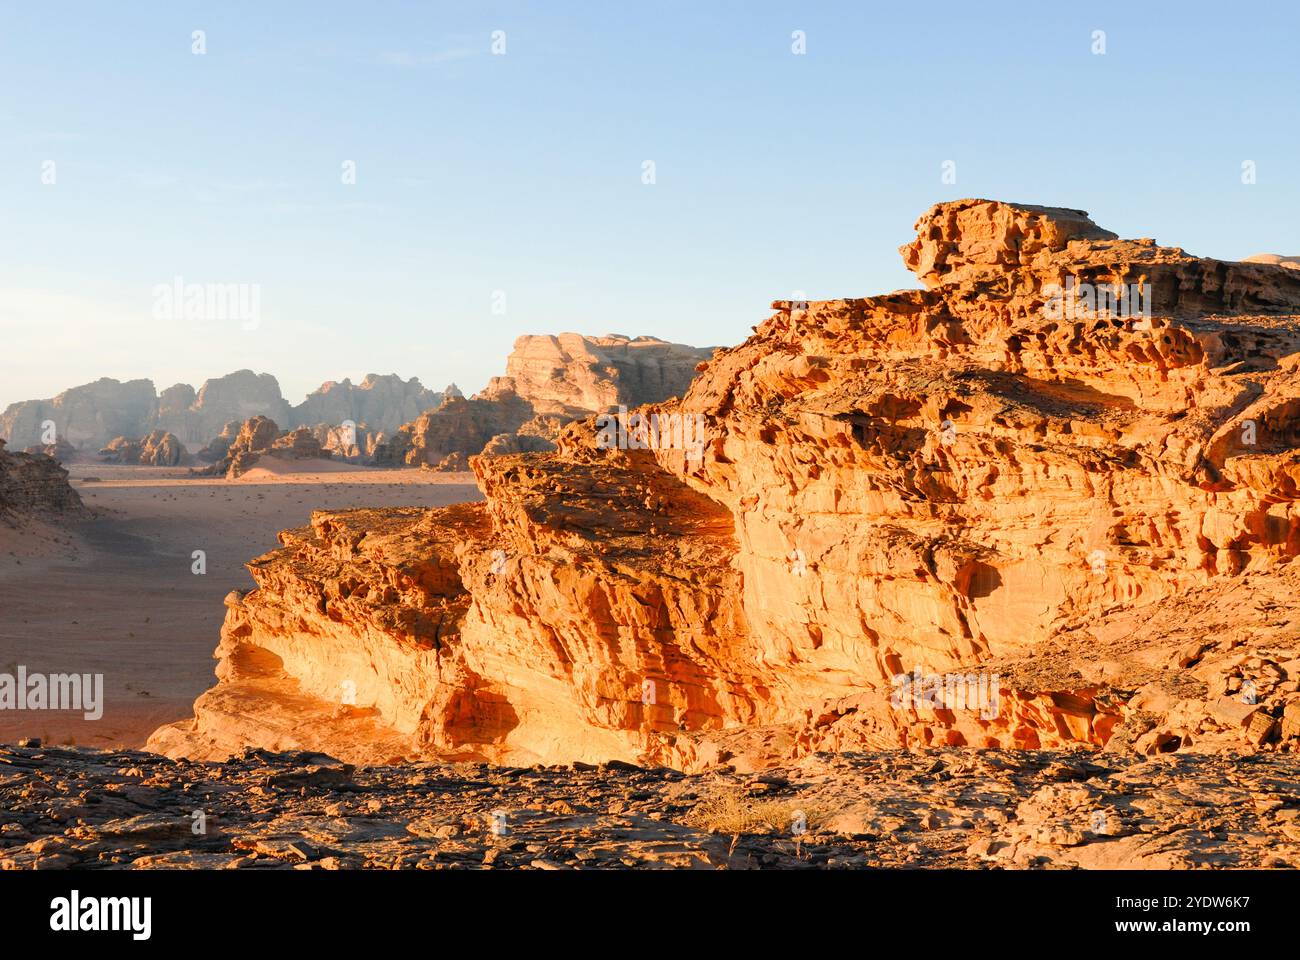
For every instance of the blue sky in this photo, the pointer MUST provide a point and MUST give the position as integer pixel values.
(522, 173)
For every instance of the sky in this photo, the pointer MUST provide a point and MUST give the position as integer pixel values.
(504, 191)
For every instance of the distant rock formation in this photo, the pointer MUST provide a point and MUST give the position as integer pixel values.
(298, 444)
(236, 396)
(575, 375)
(158, 449)
(458, 425)
(86, 417)
(567, 376)
(549, 381)
(219, 446)
(91, 416)
(255, 437)
(178, 414)
(62, 451)
(260, 437)
(382, 403)
(347, 442)
(1275, 259)
(34, 485)
(453, 463)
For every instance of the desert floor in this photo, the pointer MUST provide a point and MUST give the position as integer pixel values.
(116, 594)
(951, 809)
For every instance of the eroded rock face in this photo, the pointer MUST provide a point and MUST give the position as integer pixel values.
(86, 417)
(158, 449)
(236, 396)
(32, 484)
(61, 451)
(970, 515)
(382, 403)
(459, 426)
(550, 381)
(92, 416)
(576, 375)
(1277, 259)
(972, 240)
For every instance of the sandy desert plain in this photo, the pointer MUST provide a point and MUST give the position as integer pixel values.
(117, 593)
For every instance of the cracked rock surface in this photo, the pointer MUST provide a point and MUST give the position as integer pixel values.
(80, 808)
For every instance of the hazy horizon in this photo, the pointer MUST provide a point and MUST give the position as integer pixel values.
(498, 158)
(293, 399)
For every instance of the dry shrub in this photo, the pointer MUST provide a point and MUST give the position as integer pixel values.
(734, 812)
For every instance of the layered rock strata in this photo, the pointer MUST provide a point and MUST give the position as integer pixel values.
(1047, 501)
(576, 375)
(86, 809)
(32, 484)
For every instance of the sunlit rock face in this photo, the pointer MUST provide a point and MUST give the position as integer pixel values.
(549, 381)
(1048, 500)
(571, 373)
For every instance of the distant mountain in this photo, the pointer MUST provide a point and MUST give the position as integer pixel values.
(90, 416)
(557, 377)
(380, 402)
(549, 381)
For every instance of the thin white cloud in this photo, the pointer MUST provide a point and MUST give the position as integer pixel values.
(405, 58)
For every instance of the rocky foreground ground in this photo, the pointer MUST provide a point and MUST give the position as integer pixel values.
(80, 808)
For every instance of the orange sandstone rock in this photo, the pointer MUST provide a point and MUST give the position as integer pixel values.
(1048, 501)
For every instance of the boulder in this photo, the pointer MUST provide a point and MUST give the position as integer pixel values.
(34, 485)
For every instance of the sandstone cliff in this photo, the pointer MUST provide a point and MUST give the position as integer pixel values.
(459, 425)
(380, 402)
(92, 416)
(236, 396)
(34, 485)
(576, 375)
(549, 381)
(978, 514)
(86, 417)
